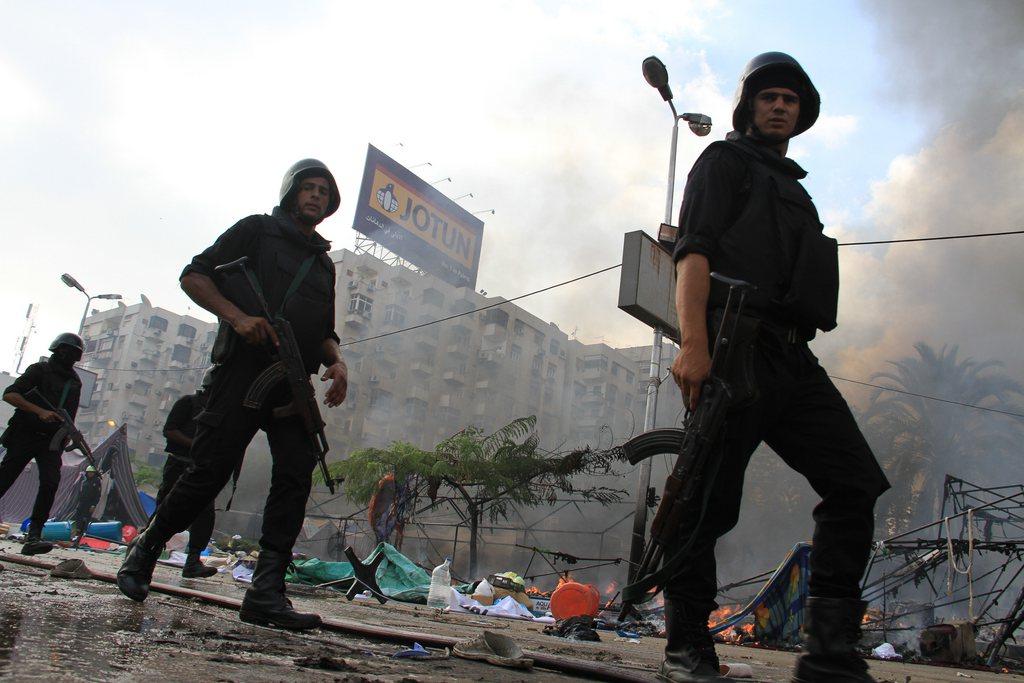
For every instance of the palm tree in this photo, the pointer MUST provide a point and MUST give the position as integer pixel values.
(919, 439)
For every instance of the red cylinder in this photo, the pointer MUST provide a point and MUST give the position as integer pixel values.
(573, 599)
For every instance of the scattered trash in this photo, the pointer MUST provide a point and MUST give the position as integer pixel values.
(736, 670)
(573, 599)
(417, 651)
(625, 633)
(494, 648)
(886, 651)
(484, 593)
(575, 628)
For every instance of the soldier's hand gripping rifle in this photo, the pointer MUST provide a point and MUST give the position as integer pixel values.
(684, 501)
(68, 434)
(287, 367)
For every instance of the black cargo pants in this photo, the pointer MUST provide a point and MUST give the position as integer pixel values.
(201, 529)
(224, 431)
(802, 416)
(21, 449)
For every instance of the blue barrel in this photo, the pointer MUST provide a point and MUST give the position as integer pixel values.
(110, 531)
(57, 531)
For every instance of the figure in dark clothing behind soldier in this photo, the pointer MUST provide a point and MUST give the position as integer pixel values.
(745, 215)
(32, 428)
(180, 431)
(290, 262)
(88, 496)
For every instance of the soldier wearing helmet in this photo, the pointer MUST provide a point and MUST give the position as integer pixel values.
(32, 427)
(746, 215)
(89, 492)
(289, 260)
(180, 432)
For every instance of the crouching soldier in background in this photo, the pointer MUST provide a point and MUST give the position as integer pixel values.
(32, 428)
(288, 260)
(180, 431)
(88, 497)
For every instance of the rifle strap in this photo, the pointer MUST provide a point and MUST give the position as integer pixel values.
(300, 275)
(64, 394)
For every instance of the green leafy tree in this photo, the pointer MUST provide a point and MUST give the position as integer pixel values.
(486, 474)
(919, 440)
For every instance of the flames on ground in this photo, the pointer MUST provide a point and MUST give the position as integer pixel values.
(737, 634)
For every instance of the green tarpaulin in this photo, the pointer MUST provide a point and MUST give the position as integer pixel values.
(398, 576)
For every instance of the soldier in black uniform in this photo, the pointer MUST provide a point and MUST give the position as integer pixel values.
(32, 428)
(297, 277)
(88, 496)
(746, 215)
(180, 431)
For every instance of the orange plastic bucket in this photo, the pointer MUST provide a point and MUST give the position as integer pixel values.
(573, 599)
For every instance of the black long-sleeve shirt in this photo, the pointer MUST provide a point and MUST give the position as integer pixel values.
(50, 379)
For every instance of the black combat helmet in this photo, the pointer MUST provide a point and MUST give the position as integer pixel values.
(68, 339)
(772, 64)
(308, 168)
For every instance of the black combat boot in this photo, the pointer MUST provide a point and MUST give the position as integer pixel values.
(689, 651)
(194, 568)
(34, 545)
(265, 603)
(136, 572)
(832, 627)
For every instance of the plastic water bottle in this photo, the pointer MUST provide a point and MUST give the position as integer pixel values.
(440, 585)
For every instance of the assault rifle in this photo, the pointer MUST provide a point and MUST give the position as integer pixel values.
(694, 472)
(287, 367)
(67, 432)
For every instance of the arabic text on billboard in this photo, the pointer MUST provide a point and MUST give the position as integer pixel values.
(408, 216)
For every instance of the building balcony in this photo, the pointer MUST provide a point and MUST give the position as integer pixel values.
(422, 368)
(494, 331)
(490, 356)
(454, 376)
(459, 349)
(357, 320)
(419, 393)
(590, 398)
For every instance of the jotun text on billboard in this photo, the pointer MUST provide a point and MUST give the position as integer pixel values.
(401, 212)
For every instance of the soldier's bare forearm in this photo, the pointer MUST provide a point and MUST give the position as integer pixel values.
(202, 290)
(693, 285)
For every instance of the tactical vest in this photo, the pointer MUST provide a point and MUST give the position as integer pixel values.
(276, 263)
(777, 244)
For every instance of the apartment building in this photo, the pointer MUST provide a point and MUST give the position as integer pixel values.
(411, 378)
(145, 358)
(483, 368)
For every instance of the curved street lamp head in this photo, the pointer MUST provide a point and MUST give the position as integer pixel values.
(700, 124)
(107, 296)
(656, 75)
(73, 283)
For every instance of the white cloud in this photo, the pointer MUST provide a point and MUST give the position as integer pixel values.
(22, 105)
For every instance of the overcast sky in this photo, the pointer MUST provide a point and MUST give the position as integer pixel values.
(131, 135)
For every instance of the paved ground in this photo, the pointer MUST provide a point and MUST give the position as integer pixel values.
(57, 629)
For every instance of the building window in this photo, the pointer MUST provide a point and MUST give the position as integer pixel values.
(394, 314)
(551, 370)
(536, 363)
(186, 331)
(181, 354)
(553, 347)
(157, 323)
(515, 353)
(599, 362)
(629, 377)
(615, 369)
(579, 365)
(363, 305)
(433, 297)
(90, 345)
(518, 328)
(538, 338)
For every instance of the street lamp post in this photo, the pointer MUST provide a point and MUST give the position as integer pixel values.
(657, 76)
(74, 284)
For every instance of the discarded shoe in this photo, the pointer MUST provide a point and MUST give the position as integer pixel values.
(71, 569)
(35, 546)
(493, 648)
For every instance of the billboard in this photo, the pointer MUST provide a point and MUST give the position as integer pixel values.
(401, 212)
